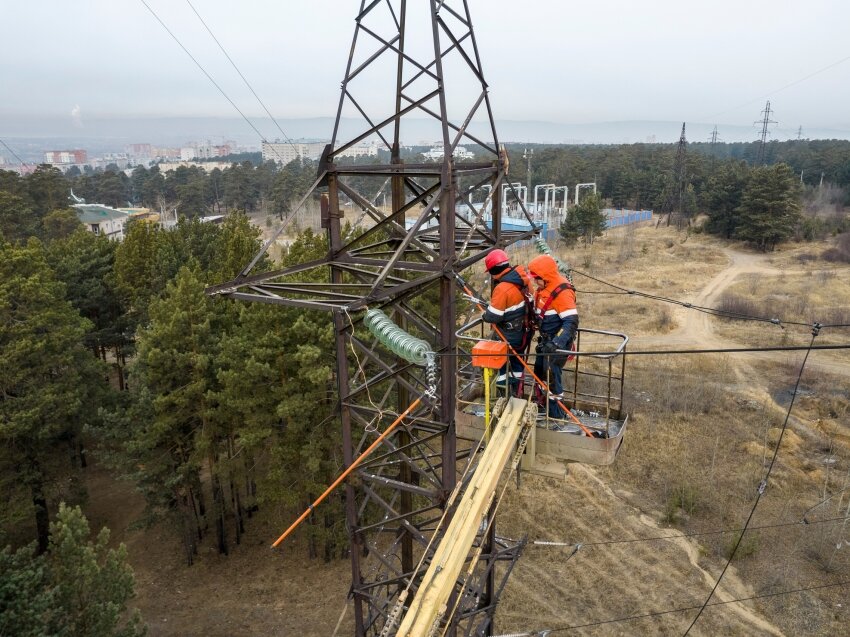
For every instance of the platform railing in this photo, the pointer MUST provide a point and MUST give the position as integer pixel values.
(597, 382)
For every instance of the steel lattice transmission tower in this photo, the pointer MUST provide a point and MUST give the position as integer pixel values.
(713, 139)
(764, 133)
(676, 195)
(409, 61)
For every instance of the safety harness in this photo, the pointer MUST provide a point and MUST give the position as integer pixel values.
(539, 394)
(551, 299)
(528, 326)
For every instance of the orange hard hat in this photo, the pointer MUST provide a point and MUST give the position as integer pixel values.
(496, 257)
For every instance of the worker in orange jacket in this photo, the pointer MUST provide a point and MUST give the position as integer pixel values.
(557, 322)
(510, 309)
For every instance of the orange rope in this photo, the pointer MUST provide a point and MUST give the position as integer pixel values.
(524, 364)
(398, 420)
(346, 473)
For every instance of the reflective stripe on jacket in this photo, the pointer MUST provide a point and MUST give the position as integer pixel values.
(560, 318)
(507, 304)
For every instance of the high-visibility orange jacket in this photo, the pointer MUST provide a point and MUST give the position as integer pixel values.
(557, 319)
(507, 307)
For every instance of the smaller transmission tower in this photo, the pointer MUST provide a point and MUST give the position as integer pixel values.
(799, 133)
(764, 133)
(676, 195)
(713, 139)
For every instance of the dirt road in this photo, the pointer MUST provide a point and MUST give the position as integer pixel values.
(696, 329)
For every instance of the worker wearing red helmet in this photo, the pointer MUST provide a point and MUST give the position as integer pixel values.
(510, 310)
(557, 320)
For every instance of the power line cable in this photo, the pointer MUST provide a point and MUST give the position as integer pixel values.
(766, 95)
(707, 310)
(699, 308)
(762, 485)
(660, 352)
(681, 609)
(820, 504)
(209, 77)
(801, 523)
(14, 154)
(250, 88)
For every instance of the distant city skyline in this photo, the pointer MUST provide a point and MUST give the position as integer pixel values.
(571, 66)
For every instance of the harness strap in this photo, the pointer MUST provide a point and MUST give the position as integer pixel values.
(528, 321)
(555, 293)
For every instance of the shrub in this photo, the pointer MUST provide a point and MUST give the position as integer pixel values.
(684, 498)
(840, 253)
(735, 304)
(665, 319)
(748, 546)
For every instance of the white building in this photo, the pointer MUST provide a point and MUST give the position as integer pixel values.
(104, 220)
(65, 157)
(208, 166)
(437, 153)
(363, 149)
(285, 152)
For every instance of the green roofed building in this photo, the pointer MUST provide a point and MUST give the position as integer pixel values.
(102, 219)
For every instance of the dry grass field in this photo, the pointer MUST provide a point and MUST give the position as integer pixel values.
(703, 429)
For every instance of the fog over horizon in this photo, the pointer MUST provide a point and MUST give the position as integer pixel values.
(177, 131)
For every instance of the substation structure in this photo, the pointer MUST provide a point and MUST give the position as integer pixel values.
(402, 259)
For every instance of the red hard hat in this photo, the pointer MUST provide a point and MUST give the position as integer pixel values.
(496, 257)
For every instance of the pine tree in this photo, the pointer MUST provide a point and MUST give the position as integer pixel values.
(723, 197)
(18, 222)
(91, 582)
(27, 602)
(770, 206)
(79, 587)
(48, 190)
(174, 366)
(50, 387)
(584, 220)
(85, 263)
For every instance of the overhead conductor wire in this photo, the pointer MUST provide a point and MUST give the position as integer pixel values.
(236, 68)
(209, 77)
(303, 199)
(762, 485)
(14, 154)
(787, 86)
(658, 352)
(803, 522)
(699, 308)
(559, 629)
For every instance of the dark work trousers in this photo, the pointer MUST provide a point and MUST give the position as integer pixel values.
(510, 374)
(550, 369)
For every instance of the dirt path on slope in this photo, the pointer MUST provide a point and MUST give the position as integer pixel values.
(553, 587)
(696, 329)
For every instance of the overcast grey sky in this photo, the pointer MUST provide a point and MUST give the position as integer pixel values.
(552, 60)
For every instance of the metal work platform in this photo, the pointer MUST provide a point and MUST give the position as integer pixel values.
(593, 392)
